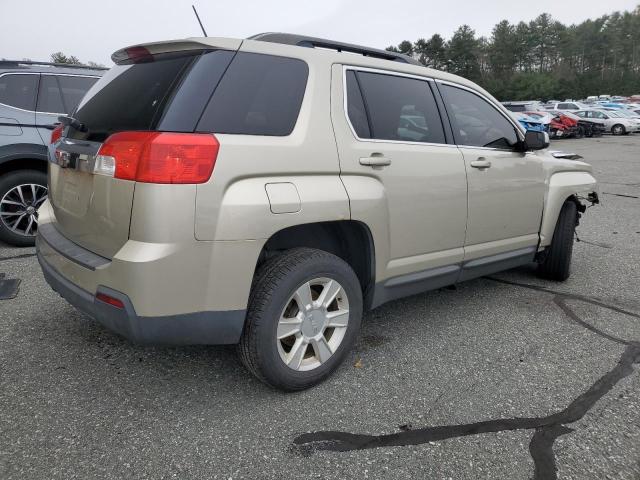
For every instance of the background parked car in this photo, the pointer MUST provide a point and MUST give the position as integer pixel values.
(32, 96)
(612, 121)
(566, 106)
(523, 106)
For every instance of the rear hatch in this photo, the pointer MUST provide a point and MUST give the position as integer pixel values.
(161, 87)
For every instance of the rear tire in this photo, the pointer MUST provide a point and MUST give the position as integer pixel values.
(275, 302)
(557, 262)
(15, 199)
(618, 129)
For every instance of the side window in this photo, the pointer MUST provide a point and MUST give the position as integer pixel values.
(355, 107)
(476, 122)
(564, 106)
(73, 89)
(19, 90)
(258, 95)
(62, 93)
(401, 108)
(49, 97)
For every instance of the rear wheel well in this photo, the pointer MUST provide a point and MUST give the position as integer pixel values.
(23, 164)
(348, 239)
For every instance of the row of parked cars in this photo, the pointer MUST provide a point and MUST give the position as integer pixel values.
(577, 119)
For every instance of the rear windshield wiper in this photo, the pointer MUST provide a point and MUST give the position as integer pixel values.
(69, 121)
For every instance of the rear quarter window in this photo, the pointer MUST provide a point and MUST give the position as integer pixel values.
(258, 95)
(19, 90)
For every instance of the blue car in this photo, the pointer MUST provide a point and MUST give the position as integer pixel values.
(529, 123)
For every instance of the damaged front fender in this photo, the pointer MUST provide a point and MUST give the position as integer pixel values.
(579, 185)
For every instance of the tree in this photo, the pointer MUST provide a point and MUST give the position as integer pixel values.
(543, 58)
(461, 53)
(503, 48)
(59, 57)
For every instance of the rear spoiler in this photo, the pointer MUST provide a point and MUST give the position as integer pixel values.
(147, 50)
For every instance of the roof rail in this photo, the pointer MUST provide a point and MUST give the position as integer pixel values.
(17, 63)
(313, 42)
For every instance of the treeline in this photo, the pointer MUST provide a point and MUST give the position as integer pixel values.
(542, 59)
(59, 57)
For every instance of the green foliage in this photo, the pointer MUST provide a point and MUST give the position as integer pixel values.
(542, 59)
(59, 57)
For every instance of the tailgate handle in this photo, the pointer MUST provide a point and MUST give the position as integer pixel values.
(375, 160)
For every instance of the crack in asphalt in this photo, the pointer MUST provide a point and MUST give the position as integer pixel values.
(620, 195)
(547, 428)
(16, 257)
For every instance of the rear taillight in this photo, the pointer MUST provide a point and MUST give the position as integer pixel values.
(158, 157)
(56, 133)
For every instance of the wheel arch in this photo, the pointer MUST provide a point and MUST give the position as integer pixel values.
(23, 156)
(349, 240)
(564, 186)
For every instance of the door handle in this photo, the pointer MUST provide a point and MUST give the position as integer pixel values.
(375, 161)
(481, 163)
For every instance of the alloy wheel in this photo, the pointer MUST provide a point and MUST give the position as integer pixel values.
(19, 208)
(313, 324)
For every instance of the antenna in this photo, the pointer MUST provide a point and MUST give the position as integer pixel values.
(198, 17)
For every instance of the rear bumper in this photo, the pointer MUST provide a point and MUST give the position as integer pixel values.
(198, 328)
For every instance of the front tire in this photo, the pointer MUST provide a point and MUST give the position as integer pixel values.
(304, 315)
(21, 193)
(557, 262)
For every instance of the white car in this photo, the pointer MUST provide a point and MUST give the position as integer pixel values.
(566, 106)
(613, 121)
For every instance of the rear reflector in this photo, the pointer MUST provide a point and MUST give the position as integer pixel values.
(114, 302)
(56, 133)
(158, 157)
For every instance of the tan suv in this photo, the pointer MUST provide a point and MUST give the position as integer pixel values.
(265, 192)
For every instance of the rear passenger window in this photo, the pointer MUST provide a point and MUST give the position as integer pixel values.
(476, 122)
(355, 107)
(400, 108)
(49, 98)
(73, 89)
(62, 93)
(258, 95)
(19, 91)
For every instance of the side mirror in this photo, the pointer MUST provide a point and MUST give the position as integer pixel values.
(534, 140)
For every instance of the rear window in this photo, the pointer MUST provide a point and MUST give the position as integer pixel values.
(172, 89)
(258, 95)
(62, 93)
(19, 90)
(399, 108)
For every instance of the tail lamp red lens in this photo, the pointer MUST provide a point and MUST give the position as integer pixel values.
(56, 133)
(114, 302)
(158, 157)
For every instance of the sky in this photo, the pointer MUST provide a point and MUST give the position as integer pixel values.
(92, 30)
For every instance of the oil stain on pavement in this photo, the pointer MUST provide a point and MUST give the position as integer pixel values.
(546, 429)
(8, 287)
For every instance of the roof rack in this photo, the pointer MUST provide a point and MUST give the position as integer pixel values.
(313, 42)
(17, 63)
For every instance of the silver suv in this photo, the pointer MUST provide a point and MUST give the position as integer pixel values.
(266, 192)
(32, 96)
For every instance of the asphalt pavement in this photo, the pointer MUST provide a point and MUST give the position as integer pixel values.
(508, 377)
